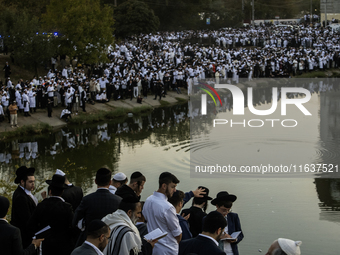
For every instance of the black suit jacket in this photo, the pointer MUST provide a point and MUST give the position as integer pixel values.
(73, 195)
(11, 241)
(23, 207)
(58, 215)
(95, 206)
(199, 245)
(195, 219)
(84, 249)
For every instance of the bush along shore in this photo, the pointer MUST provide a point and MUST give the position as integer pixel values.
(27, 130)
(120, 112)
(39, 123)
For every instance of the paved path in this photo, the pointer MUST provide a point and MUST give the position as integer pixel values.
(41, 115)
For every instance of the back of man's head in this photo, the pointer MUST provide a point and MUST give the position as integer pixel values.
(96, 228)
(129, 202)
(4, 205)
(176, 198)
(103, 177)
(137, 177)
(213, 221)
(167, 178)
(55, 191)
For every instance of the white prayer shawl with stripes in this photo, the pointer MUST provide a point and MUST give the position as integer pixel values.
(124, 235)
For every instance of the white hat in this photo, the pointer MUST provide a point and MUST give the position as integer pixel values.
(59, 172)
(119, 176)
(290, 247)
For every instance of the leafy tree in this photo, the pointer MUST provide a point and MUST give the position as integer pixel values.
(28, 47)
(85, 28)
(222, 14)
(134, 17)
(32, 7)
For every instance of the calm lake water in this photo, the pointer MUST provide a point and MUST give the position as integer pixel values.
(306, 209)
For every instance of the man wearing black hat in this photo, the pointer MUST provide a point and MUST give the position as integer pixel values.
(223, 203)
(98, 204)
(72, 194)
(57, 214)
(197, 212)
(207, 242)
(135, 187)
(97, 238)
(24, 202)
(10, 236)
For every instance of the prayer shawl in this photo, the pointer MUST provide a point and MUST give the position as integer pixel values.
(124, 234)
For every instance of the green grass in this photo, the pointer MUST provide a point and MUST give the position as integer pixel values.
(111, 115)
(28, 130)
(164, 103)
(316, 74)
(181, 100)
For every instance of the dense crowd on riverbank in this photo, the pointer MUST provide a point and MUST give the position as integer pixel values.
(156, 63)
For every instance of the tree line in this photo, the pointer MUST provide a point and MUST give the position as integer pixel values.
(34, 31)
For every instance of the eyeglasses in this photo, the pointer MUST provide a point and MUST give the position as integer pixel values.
(108, 238)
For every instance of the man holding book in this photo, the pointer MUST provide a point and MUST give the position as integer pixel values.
(57, 214)
(10, 236)
(159, 213)
(224, 202)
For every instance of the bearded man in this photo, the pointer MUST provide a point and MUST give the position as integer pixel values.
(125, 238)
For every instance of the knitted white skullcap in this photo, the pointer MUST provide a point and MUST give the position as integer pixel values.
(290, 247)
(119, 176)
(59, 172)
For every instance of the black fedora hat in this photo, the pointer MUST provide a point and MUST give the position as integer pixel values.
(206, 195)
(223, 196)
(57, 181)
(22, 172)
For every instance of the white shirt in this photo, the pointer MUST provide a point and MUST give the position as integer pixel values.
(159, 213)
(94, 247)
(112, 189)
(29, 193)
(226, 245)
(50, 91)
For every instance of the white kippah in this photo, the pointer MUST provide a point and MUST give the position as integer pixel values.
(59, 172)
(119, 176)
(290, 247)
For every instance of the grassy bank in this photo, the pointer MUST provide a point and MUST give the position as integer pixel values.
(28, 130)
(321, 74)
(84, 118)
(181, 100)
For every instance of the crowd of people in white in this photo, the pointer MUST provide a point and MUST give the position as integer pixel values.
(156, 63)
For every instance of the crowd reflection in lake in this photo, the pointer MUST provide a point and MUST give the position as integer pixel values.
(91, 145)
(136, 128)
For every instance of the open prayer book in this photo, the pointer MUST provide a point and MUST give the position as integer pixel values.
(42, 233)
(154, 235)
(233, 236)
